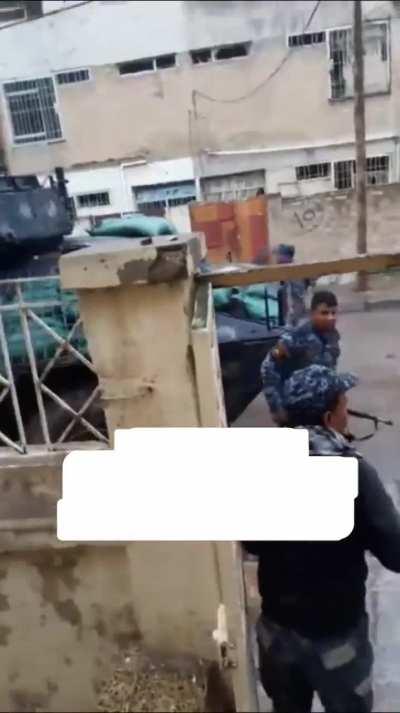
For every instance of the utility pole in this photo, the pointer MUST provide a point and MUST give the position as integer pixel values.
(359, 129)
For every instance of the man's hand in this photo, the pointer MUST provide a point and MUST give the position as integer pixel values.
(280, 417)
(279, 352)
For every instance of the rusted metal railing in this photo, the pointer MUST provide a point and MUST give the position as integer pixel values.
(19, 317)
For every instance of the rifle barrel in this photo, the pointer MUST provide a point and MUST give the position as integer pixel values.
(369, 417)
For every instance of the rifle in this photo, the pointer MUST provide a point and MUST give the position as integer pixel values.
(368, 417)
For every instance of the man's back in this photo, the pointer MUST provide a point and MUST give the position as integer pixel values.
(313, 633)
(318, 588)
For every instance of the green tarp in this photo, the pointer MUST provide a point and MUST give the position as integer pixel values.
(136, 226)
(61, 318)
(254, 301)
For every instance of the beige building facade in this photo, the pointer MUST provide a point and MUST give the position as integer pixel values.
(148, 105)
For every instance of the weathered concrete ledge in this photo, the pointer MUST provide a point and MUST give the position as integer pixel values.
(30, 486)
(116, 262)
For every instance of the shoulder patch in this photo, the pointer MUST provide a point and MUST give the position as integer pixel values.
(280, 352)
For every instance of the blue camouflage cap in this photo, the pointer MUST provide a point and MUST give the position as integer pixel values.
(314, 388)
(286, 250)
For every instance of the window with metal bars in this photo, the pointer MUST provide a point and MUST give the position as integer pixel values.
(76, 75)
(160, 207)
(153, 208)
(376, 60)
(377, 171)
(344, 174)
(234, 187)
(172, 202)
(32, 108)
(340, 49)
(164, 195)
(93, 200)
(307, 39)
(313, 170)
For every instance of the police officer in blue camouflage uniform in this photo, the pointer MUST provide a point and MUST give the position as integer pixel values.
(295, 291)
(314, 341)
(296, 300)
(313, 630)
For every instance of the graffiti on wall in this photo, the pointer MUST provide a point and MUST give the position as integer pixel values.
(306, 213)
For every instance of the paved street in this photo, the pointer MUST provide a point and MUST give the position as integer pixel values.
(371, 348)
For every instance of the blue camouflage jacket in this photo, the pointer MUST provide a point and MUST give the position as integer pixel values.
(297, 348)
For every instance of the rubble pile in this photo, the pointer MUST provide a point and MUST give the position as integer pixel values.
(141, 685)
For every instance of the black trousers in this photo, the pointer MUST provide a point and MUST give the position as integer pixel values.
(339, 669)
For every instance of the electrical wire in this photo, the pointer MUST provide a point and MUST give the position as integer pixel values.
(248, 95)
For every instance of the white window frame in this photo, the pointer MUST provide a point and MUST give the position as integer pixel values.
(9, 125)
(71, 71)
(89, 208)
(167, 202)
(314, 178)
(352, 174)
(389, 163)
(128, 75)
(389, 157)
(228, 194)
(332, 163)
(311, 44)
(383, 92)
(215, 49)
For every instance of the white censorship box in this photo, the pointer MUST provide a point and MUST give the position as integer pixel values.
(196, 484)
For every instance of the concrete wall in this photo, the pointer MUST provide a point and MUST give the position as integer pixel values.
(77, 38)
(69, 612)
(177, 586)
(65, 615)
(65, 612)
(324, 226)
(86, 605)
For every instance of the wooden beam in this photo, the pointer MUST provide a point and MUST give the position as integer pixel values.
(299, 271)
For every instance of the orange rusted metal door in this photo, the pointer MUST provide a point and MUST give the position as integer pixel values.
(251, 220)
(217, 222)
(234, 231)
